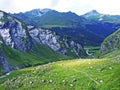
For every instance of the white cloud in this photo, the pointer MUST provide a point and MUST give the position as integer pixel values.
(78, 6)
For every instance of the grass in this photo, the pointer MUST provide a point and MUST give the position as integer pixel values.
(39, 55)
(1, 70)
(77, 74)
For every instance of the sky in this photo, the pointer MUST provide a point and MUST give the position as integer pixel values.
(78, 6)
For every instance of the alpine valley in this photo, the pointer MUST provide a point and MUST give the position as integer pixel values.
(44, 49)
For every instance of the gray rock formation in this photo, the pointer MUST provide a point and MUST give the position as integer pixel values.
(55, 42)
(14, 33)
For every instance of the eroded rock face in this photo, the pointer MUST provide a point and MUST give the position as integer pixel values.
(14, 33)
(45, 37)
(55, 42)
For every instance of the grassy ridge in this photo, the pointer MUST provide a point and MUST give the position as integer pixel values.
(78, 74)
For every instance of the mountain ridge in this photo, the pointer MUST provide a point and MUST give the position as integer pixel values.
(100, 26)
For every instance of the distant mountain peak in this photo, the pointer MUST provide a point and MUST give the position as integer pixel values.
(93, 12)
(41, 10)
(45, 10)
(37, 12)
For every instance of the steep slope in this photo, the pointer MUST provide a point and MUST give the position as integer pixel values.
(13, 33)
(111, 43)
(81, 35)
(60, 44)
(49, 38)
(22, 46)
(41, 54)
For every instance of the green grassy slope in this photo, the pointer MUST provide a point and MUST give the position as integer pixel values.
(78, 74)
(113, 35)
(111, 43)
(39, 55)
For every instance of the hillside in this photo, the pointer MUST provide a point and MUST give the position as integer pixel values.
(78, 74)
(111, 43)
(16, 59)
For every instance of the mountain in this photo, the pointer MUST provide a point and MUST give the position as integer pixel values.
(111, 43)
(102, 24)
(98, 17)
(48, 18)
(89, 29)
(33, 14)
(60, 23)
(90, 14)
(22, 46)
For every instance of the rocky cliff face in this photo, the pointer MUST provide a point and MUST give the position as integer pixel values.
(14, 33)
(55, 42)
(111, 43)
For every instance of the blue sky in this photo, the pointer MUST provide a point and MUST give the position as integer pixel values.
(78, 6)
